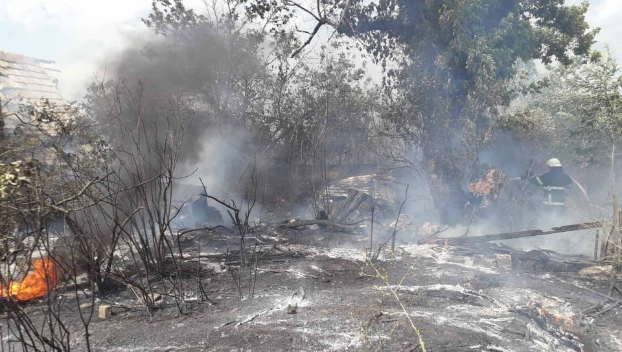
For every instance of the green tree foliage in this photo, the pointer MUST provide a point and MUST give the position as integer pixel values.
(448, 63)
(593, 94)
(577, 114)
(330, 111)
(454, 59)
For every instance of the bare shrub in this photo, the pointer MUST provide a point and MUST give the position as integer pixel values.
(243, 272)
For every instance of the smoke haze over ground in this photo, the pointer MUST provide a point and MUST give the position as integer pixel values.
(188, 80)
(186, 83)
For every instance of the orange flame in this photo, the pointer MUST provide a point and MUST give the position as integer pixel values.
(36, 284)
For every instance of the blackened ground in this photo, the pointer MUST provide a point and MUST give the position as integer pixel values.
(458, 299)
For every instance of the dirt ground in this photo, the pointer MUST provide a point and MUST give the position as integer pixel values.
(316, 290)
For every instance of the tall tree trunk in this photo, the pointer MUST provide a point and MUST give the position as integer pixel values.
(446, 161)
(445, 182)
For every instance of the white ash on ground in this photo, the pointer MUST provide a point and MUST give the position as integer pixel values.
(328, 295)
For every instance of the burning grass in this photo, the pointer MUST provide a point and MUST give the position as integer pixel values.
(35, 285)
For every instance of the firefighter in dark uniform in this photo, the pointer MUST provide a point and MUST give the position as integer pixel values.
(554, 185)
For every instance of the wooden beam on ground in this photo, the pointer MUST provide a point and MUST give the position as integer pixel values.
(519, 234)
(296, 223)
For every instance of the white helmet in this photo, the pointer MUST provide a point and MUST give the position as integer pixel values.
(554, 162)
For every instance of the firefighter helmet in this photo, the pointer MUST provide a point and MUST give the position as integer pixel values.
(554, 162)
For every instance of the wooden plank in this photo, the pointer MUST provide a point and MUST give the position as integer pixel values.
(519, 234)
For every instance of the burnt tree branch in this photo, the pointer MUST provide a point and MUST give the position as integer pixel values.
(319, 25)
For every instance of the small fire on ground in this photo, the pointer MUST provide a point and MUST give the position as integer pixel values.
(35, 285)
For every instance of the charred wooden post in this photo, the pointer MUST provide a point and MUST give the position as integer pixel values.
(616, 228)
(371, 236)
(596, 240)
(604, 245)
(398, 219)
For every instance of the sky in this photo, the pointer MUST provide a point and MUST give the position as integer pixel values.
(79, 34)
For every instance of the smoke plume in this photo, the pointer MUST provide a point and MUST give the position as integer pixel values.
(190, 84)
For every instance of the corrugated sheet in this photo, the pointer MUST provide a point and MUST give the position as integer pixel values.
(36, 88)
(38, 95)
(19, 73)
(6, 84)
(23, 67)
(34, 80)
(4, 56)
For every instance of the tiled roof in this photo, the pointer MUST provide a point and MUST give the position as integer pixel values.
(25, 78)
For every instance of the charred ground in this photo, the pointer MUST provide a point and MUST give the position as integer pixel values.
(315, 287)
(316, 291)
